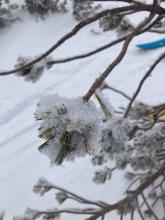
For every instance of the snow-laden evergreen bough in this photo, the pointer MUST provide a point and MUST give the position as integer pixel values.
(72, 128)
(45, 7)
(69, 127)
(80, 9)
(84, 9)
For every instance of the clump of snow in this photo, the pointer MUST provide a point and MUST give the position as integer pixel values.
(29, 214)
(69, 127)
(115, 134)
(139, 110)
(102, 175)
(146, 145)
(42, 186)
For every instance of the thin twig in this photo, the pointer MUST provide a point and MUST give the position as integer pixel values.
(100, 49)
(85, 55)
(135, 7)
(102, 217)
(132, 183)
(162, 200)
(140, 212)
(132, 215)
(82, 199)
(75, 211)
(157, 31)
(120, 204)
(162, 56)
(121, 216)
(148, 206)
(105, 86)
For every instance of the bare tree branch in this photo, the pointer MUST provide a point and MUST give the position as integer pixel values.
(119, 58)
(132, 215)
(148, 206)
(106, 86)
(80, 198)
(135, 7)
(119, 205)
(81, 56)
(157, 31)
(79, 26)
(140, 212)
(104, 47)
(162, 56)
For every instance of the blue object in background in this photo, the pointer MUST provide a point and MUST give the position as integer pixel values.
(153, 44)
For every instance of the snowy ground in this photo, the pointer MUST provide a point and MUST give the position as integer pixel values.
(20, 162)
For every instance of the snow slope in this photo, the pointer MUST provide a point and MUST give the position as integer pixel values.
(20, 162)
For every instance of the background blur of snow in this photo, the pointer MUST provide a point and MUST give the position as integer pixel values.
(21, 164)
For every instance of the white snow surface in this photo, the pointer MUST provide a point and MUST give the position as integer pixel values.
(21, 164)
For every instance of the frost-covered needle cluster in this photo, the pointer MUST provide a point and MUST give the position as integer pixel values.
(72, 128)
(33, 72)
(68, 126)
